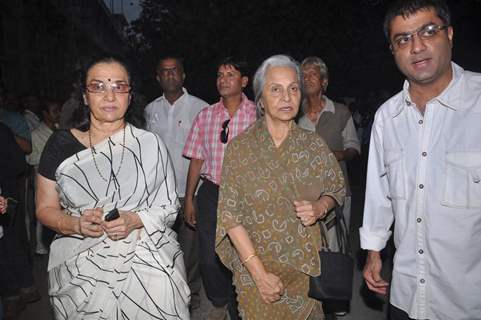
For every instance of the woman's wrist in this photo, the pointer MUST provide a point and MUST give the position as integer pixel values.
(323, 207)
(76, 226)
(68, 225)
(255, 267)
(134, 220)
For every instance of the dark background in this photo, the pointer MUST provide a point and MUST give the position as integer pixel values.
(43, 42)
(346, 34)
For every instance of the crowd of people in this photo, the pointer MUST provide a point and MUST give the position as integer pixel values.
(239, 196)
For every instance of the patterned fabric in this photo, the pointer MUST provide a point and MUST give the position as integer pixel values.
(141, 276)
(259, 184)
(204, 142)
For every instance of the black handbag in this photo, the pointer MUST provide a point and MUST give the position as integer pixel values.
(335, 280)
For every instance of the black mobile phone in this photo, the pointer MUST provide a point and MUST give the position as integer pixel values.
(112, 215)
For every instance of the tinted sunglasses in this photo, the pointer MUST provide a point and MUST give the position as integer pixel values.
(224, 134)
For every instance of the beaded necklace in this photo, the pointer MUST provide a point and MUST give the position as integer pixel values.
(92, 150)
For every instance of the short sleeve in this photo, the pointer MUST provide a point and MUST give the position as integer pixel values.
(60, 146)
(193, 148)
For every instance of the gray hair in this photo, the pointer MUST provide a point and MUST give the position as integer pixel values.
(316, 61)
(279, 60)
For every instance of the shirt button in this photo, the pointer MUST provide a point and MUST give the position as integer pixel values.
(420, 121)
(422, 281)
(421, 186)
(408, 103)
(421, 251)
(419, 220)
(424, 153)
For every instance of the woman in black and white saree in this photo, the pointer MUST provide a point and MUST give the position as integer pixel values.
(107, 188)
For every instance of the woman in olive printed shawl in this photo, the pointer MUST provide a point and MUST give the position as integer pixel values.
(266, 186)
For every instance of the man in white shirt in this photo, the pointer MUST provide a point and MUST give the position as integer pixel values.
(424, 173)
(171, 117)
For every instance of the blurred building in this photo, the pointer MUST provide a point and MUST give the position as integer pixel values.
(43, 42)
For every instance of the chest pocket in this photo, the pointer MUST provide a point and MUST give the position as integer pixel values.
(462, 182)
(395, 171)
(182, 130)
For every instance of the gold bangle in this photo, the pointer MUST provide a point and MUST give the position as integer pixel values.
(248, 258)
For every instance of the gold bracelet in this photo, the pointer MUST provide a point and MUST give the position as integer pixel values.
(248, 258)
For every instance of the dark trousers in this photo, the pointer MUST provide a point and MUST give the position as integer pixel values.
(397, 314)
(15, 259)
(216, 277)
(189, 242)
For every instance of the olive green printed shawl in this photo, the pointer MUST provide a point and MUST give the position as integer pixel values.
(259, 184)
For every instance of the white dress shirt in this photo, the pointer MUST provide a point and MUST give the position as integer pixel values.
(424, 172)
(349, 135)
(172, 123)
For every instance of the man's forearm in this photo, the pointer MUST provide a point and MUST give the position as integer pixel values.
(193, 177)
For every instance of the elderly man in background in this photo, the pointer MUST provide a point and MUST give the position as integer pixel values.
(331, 120)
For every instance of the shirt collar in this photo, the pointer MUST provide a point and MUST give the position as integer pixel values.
(185, 94)
(329, 107)
(450, 97)
(220, 108)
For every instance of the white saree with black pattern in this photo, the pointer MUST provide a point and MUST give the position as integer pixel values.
(141, 276)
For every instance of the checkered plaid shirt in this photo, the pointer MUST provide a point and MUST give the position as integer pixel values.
(204, 142)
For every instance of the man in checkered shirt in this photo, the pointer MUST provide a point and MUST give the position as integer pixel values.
(213, 128)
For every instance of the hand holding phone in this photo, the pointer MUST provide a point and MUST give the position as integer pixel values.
(112, 215)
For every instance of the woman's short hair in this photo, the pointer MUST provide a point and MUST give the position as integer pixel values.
(279, 60)
(81, 115)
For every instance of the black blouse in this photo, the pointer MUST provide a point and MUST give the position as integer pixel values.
(61, 145)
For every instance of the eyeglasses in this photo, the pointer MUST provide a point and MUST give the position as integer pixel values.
(101, 87)
(224, 134)
(426, 32)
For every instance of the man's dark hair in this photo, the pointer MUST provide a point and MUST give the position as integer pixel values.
(405, 8)
(180, 61)
(239, 65)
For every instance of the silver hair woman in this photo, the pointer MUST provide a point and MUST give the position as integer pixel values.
(279, 60)
(271, 197)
